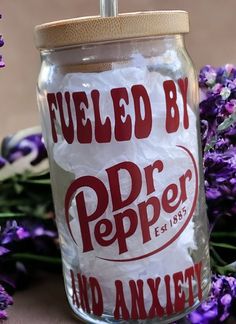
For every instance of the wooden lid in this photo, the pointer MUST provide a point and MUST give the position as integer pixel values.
(87, 30)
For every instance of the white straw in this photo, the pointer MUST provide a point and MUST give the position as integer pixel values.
(108, 8)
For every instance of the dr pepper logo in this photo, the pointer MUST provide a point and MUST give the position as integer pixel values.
(149, 214)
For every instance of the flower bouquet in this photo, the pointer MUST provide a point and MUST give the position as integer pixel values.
(28, 236)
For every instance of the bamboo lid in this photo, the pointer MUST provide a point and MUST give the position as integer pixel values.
(87, 30)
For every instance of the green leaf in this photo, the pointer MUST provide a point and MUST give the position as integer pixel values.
(231, 267)
(227, 123)
(26, 195)
(18, 188)
(225, 270)
(223, 245)
(211, 144)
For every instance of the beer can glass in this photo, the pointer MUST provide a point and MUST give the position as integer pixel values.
(118, 100)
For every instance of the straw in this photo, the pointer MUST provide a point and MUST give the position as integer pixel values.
(108, 8)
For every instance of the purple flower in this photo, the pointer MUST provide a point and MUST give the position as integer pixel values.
(220, 180)
(207, 76)
(23, 147)
(32, 229)
(230, 106)
(29, 237)
(3, 162)
(3, 250)
(12, 232)
(41, 231)
(1, 44)
(2, 64)
(1, 41)
(23, 152)
(218, 128)
(218, 306)
(5, 301)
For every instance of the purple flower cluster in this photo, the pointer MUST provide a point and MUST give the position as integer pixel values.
(32, 241)
(5, 301)
(218, 130)
(218, 126)
(1, 44)
(220, 183)
(34, 235)
(10, 234)
(219, 306)
(31, 238)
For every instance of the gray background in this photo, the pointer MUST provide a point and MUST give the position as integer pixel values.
(212, 41)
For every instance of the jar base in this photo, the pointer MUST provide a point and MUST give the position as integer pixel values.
(88, 318)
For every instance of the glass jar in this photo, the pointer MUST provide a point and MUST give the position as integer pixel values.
(118, 99)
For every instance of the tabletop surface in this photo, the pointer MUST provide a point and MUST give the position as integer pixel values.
(43, 302)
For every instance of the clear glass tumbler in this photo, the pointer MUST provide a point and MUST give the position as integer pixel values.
(118, 99)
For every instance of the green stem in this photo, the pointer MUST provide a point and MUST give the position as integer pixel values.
(223, 245)
(21, 215)
(35, 257)
(5, 203)
(217, 256)
(11, 215)
(39, 182)
(223, 234)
